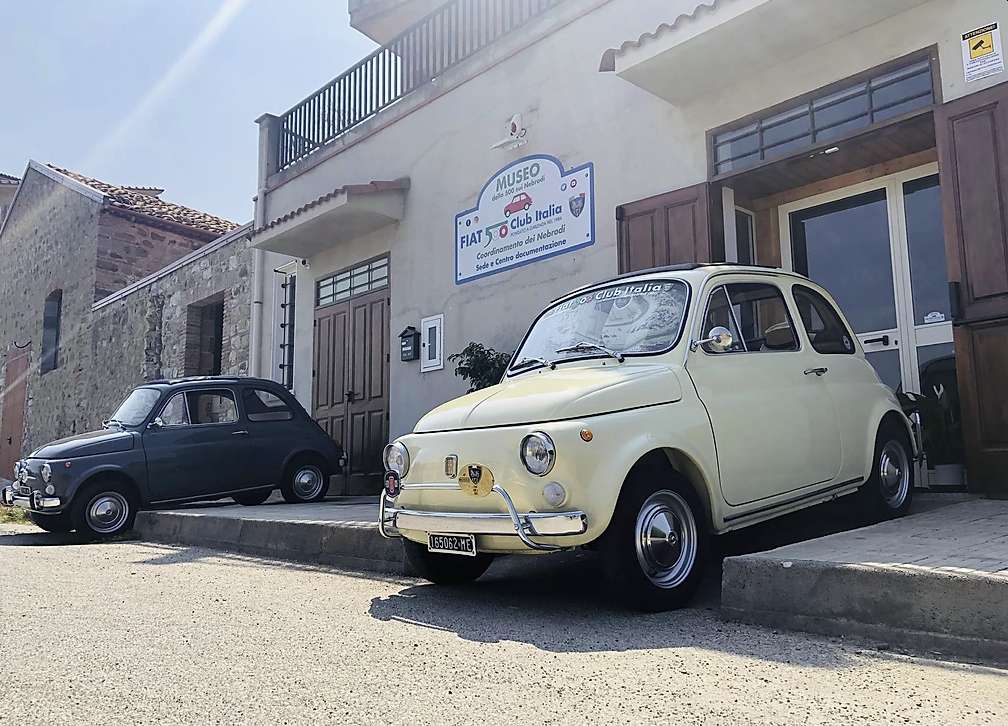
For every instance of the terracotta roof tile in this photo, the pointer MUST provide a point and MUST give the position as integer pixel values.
(369, 188)
(141, 200)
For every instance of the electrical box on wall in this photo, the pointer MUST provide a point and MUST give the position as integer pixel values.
(409, 344)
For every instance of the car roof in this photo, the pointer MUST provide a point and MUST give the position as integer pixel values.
(212, 381)
(696, 271)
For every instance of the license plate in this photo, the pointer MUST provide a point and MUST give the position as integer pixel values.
(452, 544)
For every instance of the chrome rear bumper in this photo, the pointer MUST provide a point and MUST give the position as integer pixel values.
(523, 525)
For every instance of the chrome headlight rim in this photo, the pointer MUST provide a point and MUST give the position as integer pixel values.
(399, 450)
(46, 472)
(549, 447)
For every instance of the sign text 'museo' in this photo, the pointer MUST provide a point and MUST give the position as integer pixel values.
(527, 212)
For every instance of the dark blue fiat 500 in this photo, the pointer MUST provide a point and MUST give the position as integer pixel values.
(177, 441)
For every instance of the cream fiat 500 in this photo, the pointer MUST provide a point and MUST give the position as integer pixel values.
(642, 415)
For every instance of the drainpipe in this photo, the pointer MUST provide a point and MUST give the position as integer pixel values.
(269, 145)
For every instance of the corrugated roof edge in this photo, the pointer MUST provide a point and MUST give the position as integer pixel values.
(608, 63)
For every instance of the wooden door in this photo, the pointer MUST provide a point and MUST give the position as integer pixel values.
(668, 229)
(972, 134)
(13, 401)
(329, 401)
(367, 392)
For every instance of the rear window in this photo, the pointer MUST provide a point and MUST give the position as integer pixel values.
(262, 405)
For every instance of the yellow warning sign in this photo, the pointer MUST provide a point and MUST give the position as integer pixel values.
(982, 55)
(981, 45)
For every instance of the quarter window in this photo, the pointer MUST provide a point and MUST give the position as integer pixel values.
(756, 315)
(826, 330)
(264, 406)
(212, 407)
(174, 413)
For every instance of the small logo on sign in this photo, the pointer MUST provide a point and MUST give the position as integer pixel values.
(577, 204)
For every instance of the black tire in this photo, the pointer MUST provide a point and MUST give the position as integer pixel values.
(103, 509)
(445, 569)
(658, 500)
(296, 489)
(888, 492)
(60, 523)
(251, 499)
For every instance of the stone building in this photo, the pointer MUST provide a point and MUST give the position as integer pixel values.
(8, 188)
(103, 287)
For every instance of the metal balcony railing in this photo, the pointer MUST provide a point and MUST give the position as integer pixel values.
(451, 34)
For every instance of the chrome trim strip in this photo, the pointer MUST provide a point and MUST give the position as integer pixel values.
(794, 500)
(523, 525)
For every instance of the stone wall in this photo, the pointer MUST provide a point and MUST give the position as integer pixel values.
(143, 335)
(130, 250)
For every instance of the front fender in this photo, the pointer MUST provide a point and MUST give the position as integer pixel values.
(86, 469)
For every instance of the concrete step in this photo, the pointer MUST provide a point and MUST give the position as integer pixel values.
(330, 533)
(931, 582)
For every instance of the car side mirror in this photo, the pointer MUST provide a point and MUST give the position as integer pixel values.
(719, 338)
(156, 424)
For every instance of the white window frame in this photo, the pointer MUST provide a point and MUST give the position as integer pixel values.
(436, 363)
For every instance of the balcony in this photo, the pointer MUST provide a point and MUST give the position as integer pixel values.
(382, 20)
(439, 41)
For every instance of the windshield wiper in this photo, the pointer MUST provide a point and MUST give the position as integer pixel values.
(584, 347)
(526, 362)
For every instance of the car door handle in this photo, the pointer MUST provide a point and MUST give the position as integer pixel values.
(883, 339)
(239, 433)
(817, 371)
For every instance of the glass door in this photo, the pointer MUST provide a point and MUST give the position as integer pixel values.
(879, 248)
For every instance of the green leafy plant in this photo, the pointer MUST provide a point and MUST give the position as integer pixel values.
(480, 366)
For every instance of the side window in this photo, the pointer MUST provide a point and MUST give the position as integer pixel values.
(212, 407)
(174, 412)
(262, 405)
(826, 330)
(756, 315)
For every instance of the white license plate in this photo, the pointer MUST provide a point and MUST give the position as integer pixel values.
(452, 544)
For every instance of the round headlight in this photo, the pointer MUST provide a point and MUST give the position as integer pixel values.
(538, 453)
(396, 458)
(46, 472)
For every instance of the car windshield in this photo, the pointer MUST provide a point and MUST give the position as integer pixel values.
(638, 318)
(137, 406)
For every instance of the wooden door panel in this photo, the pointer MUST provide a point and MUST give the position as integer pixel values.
(972, 136)
(369, 372)
(666, 229)
(13, 402)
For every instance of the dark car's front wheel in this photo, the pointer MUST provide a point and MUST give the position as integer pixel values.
(104, 509)
(306, 480)
(60, 523)
(445, 569)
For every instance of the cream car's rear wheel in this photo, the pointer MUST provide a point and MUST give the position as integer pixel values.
(654, 549)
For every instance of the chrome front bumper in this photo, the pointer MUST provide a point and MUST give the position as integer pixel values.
(523, 525)
(36, 501)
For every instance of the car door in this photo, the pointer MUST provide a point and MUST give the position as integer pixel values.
(198, 446)
(272, 433)
(773, 419)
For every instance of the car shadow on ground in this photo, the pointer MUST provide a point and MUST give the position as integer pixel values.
(557, 603)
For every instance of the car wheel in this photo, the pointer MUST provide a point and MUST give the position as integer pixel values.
(61, 522)
(251, 499)
(656, 545)
(888, 492)
(305, 481)
(445, 569)
(104, 509)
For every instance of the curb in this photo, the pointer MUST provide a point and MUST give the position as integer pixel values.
(348, 545)
(959, 614)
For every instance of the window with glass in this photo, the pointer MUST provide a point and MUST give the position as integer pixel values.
(134, 410)
(639, 318)
(262, 405)
(756, 315)
(826, 330)
(212, 407)
(51, 319)
(824, 116)
(357, 280)
(174, 412)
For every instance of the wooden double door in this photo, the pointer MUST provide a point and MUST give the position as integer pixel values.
(351, 384)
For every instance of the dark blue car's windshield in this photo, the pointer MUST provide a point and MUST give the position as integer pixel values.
(137, 406)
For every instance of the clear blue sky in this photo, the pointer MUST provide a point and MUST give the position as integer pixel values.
(155, 93)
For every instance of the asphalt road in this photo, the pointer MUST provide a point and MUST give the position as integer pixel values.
(128, 632)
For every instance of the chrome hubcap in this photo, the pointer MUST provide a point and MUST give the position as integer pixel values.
(894, 474)
(107, 512)
(307, 482)
(666, 539)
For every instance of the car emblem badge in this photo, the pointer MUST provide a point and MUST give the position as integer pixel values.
(577, 204)
(393, 484)
(476, 480)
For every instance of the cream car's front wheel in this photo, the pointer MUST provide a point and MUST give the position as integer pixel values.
(654, 550)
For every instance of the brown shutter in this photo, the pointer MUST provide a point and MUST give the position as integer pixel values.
(972, 135)
(668, 229)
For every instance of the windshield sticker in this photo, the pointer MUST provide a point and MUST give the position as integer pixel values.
(529, 211)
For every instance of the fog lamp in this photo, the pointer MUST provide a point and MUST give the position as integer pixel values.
(554, 494)
(50, 489)
(46, 472)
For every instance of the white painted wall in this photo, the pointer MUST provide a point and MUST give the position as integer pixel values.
(640, 144)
